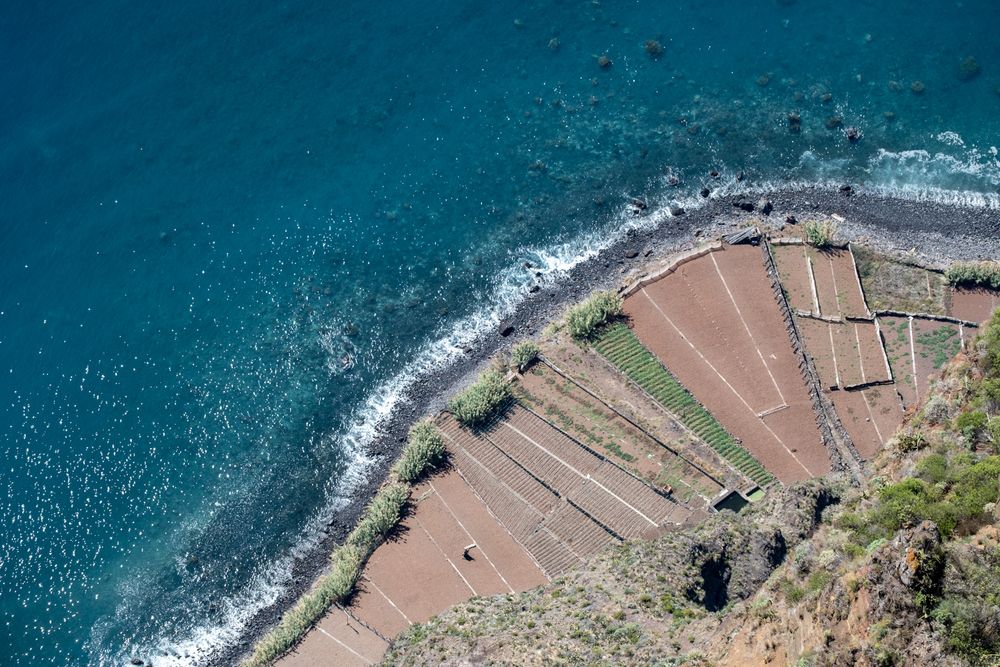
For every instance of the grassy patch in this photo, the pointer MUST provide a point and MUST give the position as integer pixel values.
(584, 319)
(974, 274)
(346, 562)
(820, 233)
(478, 404)
(522, 354)
(424, 451)
(621, 347)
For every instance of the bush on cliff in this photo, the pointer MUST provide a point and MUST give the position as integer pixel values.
(974, 274)
(478, 404)
(424, 451)
(523, 354)
(584, 319)
(820, 233)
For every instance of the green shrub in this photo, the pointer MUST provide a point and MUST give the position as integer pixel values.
(793, 592)
(380, 517)
(346, 564)
(480, 402)
(993, 428)
(911, 441)
(820, 233)
(933, 468)
(424, 451)
(902, 503)
(981, 274)
(975, 486)
(971, 425)
(584, 319)
(989, 341)
(936, 411)
(523, 354)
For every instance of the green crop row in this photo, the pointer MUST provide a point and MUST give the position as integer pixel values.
(622, 348)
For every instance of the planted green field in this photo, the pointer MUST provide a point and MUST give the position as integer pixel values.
(621, 347)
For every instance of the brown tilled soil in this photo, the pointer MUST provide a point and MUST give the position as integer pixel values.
(337, 640)
(848, 356)
(837, 283)
(612, 387)
(872, 360)
(615, 498)
(419, 572)
(819, 346)
(793, 270)
(896, 333)
(886, 410)
(854, 415)
(934, 343)
(972, 305)
(573, 410)
(713, 349)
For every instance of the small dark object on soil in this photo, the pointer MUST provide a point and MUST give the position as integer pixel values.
(918, 87)
(853, 134)
(744, 204)
(791, 220)
(705, 192)
(846, 189)
(535, 289)
(604, 62)
(653, 48)
(834, 122)
(765, 206)
(506, 329)
(631, 254)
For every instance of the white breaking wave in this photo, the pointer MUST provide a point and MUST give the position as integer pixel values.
(968, 180)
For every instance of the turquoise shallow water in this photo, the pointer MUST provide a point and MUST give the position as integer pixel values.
(231, 234)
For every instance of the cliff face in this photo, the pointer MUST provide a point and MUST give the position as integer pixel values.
(637, 602)
(903, 568)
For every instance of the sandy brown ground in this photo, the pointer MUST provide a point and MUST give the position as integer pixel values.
(556, 533)
(699, 323)
(896, 333)
(836, 280)
(929, 352)
(420, 572)
(793, 271)
(973, 305)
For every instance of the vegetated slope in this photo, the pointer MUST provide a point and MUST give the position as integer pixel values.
(904, 569)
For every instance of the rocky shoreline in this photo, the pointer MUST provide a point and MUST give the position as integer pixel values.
(931, 233)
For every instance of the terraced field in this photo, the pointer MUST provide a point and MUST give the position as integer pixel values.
(622, 348)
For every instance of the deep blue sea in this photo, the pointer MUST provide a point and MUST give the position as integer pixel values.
(234, 234)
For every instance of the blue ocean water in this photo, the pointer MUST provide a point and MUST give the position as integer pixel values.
(233, 235)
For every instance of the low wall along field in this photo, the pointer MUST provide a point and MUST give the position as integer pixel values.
(716, 325)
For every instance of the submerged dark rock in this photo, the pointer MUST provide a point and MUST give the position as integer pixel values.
(705, 192)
